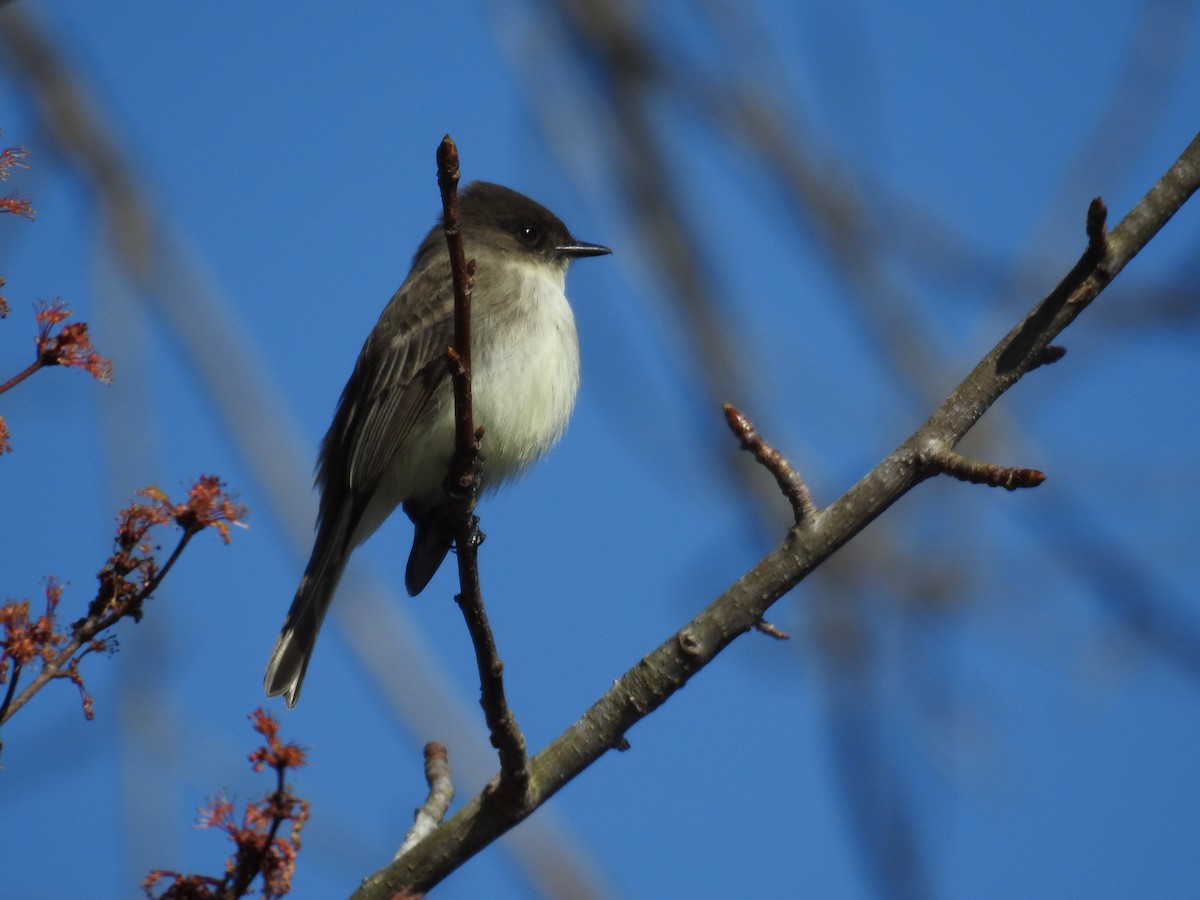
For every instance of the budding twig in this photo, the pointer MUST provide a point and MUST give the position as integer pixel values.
(463, 484)
(976, 471)
(773, 631)
(786, 477)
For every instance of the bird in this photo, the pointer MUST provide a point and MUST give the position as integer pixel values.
(392, 434)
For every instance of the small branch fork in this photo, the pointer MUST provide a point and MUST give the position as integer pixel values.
(462, 489)
(935, 460)
(668, 667)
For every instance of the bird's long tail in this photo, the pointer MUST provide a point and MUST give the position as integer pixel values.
(289, 659)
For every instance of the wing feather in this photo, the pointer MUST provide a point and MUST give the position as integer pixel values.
(398, 369)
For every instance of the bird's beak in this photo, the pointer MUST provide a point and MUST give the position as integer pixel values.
(582, 248)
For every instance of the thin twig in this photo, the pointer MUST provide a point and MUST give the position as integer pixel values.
(462, 487)
(22, 375)
(441, 791)
(977, 471)
(14, 676)
(461, 273)
(773, 631)
(788, 479)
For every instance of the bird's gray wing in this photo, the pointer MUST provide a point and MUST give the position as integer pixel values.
(401, 363)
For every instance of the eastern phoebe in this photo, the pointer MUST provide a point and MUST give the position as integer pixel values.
(393, 433)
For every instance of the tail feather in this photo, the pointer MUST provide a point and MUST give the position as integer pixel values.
(293, 649)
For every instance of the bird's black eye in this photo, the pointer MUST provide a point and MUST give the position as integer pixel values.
(529, 234)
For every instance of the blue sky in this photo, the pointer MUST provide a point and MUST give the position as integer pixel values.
(961, 682)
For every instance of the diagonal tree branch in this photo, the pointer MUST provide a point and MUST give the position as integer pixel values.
(666, 669)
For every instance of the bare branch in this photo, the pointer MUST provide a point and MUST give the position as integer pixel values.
(462, 489)
(441, 791)
(741, 607)
(773, 461)
(976, 471)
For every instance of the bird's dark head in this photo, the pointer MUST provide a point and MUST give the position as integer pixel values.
(497, 216)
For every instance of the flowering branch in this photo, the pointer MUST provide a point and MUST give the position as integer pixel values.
(260, 851)
(70, 346)
(128, 578)
(13, 157)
